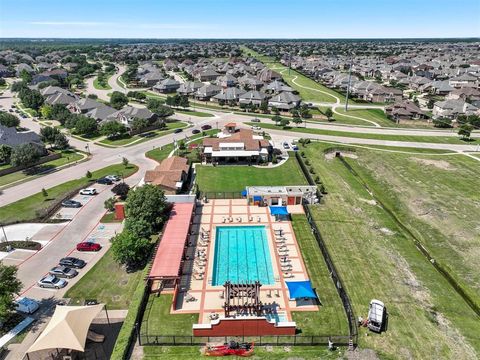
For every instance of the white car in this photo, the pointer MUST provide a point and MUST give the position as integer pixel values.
(254, 127)
(286, 146)
(88, 191)
(376, 313)
(26, 305)
(113, 177)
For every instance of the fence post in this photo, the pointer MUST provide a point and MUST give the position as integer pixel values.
(138, 334)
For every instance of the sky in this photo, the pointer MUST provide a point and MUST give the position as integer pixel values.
(239, 18)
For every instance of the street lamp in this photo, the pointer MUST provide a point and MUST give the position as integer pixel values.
(87, 148)
(4, 233)
(349, 80)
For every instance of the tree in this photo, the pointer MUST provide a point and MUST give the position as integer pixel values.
(130, 250)
(264, 107)
(430, 103)
(44, 193)
(277, 119)
(48, 133)
(329, 114)
(46, 111)
(284, 122)
(9, 120)
(31, 98)
(465, 131)
(296, 120)
(139, 124)
(10, 287)
(5, 153)
(118, 100)
(2, 82)
(24, 155)
(109, 204)
(121, 190)
(125, 161)
(442, 123)
(61, 141)
(171, 101)
(19, 85)
(86, 126)
(183, 102)
(88, 174)
(25, 76)
(145, 208)
(156, 106)
(112, 129)
(60, 113)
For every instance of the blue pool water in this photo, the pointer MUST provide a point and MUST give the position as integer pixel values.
(242, 255)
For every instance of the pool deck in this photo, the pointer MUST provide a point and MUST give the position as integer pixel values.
(209, 298)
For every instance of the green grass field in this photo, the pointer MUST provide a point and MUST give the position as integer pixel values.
(331, 318)
(234, 178)
(376, 258)
(130, 140)
(115, 290)
(68, 157)
(371, 135)
(308, 89)
(26, 209)
(261, 352)
(194, 113)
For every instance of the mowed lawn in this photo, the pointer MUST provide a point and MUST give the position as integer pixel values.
(27, 208)
(308, 89)
(108, 282)
(331, 318)
(438, 199)
(234, 178)
(376, 259)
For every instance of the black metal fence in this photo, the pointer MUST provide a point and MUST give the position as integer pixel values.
(273, 340)
(307, 174)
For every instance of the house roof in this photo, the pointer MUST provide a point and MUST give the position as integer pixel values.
(168, 173)
(244, 136)
(11, 137)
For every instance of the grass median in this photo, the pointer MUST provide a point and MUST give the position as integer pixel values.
(386, 137)
(27, 209)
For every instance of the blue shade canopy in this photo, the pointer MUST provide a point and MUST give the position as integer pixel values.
(244, 192)
(257, 198)
(300, 289)
(278, 210)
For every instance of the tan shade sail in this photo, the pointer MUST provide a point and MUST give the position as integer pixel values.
(68, 328)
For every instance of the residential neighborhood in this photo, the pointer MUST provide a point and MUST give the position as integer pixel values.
(190, 179)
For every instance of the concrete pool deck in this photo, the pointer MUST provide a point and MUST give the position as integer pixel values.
(209, 299)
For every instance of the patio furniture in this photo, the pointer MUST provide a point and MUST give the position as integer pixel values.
(259, 219)
(250, 218)
(288, 275)
(190, 298)
(277, 293)
(198, 276)
(269, 293)
(221, 294)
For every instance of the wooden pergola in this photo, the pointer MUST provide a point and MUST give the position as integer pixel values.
(242, 298)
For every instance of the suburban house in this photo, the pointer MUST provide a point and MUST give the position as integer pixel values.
(150, 78)
(226, 81)
(170, 175)
(56, 95)
(228, 95)
(284, 101)
(167, 86)
(252, 97)
(405, 110)
(9, 136)
(207, 91)
(463, 81)
(452, 108)
(189, 88)
(233, 145)
(126, 115)
(465, 94)
(5, 71)
(207, 75)
(91, 108)
(276, 87)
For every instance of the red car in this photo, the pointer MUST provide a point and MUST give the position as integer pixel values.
(88, 246)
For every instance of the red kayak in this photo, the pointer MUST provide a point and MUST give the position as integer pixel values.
(232, 348)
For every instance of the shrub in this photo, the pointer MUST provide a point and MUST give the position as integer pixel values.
(28, 245)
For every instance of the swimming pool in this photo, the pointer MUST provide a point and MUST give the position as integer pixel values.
(242, 255)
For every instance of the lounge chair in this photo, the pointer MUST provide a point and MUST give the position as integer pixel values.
(278, 231)
(190, 298)
(259, 219)
(198, 276)
(288, 275)
(277, 293)
(221, 294)
(269, 293)
(250, 218)
(204, 230)
(224, 220)
(282, 251)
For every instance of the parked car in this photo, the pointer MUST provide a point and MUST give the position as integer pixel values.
(195, 131)
(104, 181)
(113, 178)
(255, 120)
(88, 246)
(51, 281)
(294, 147)
(375, 315)
(71, 204)
(26, 305)
(176, 131)
(88, 191)
(63, 272)
(285, 145)
(206, 127)
(72, 262)
(254, 127)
